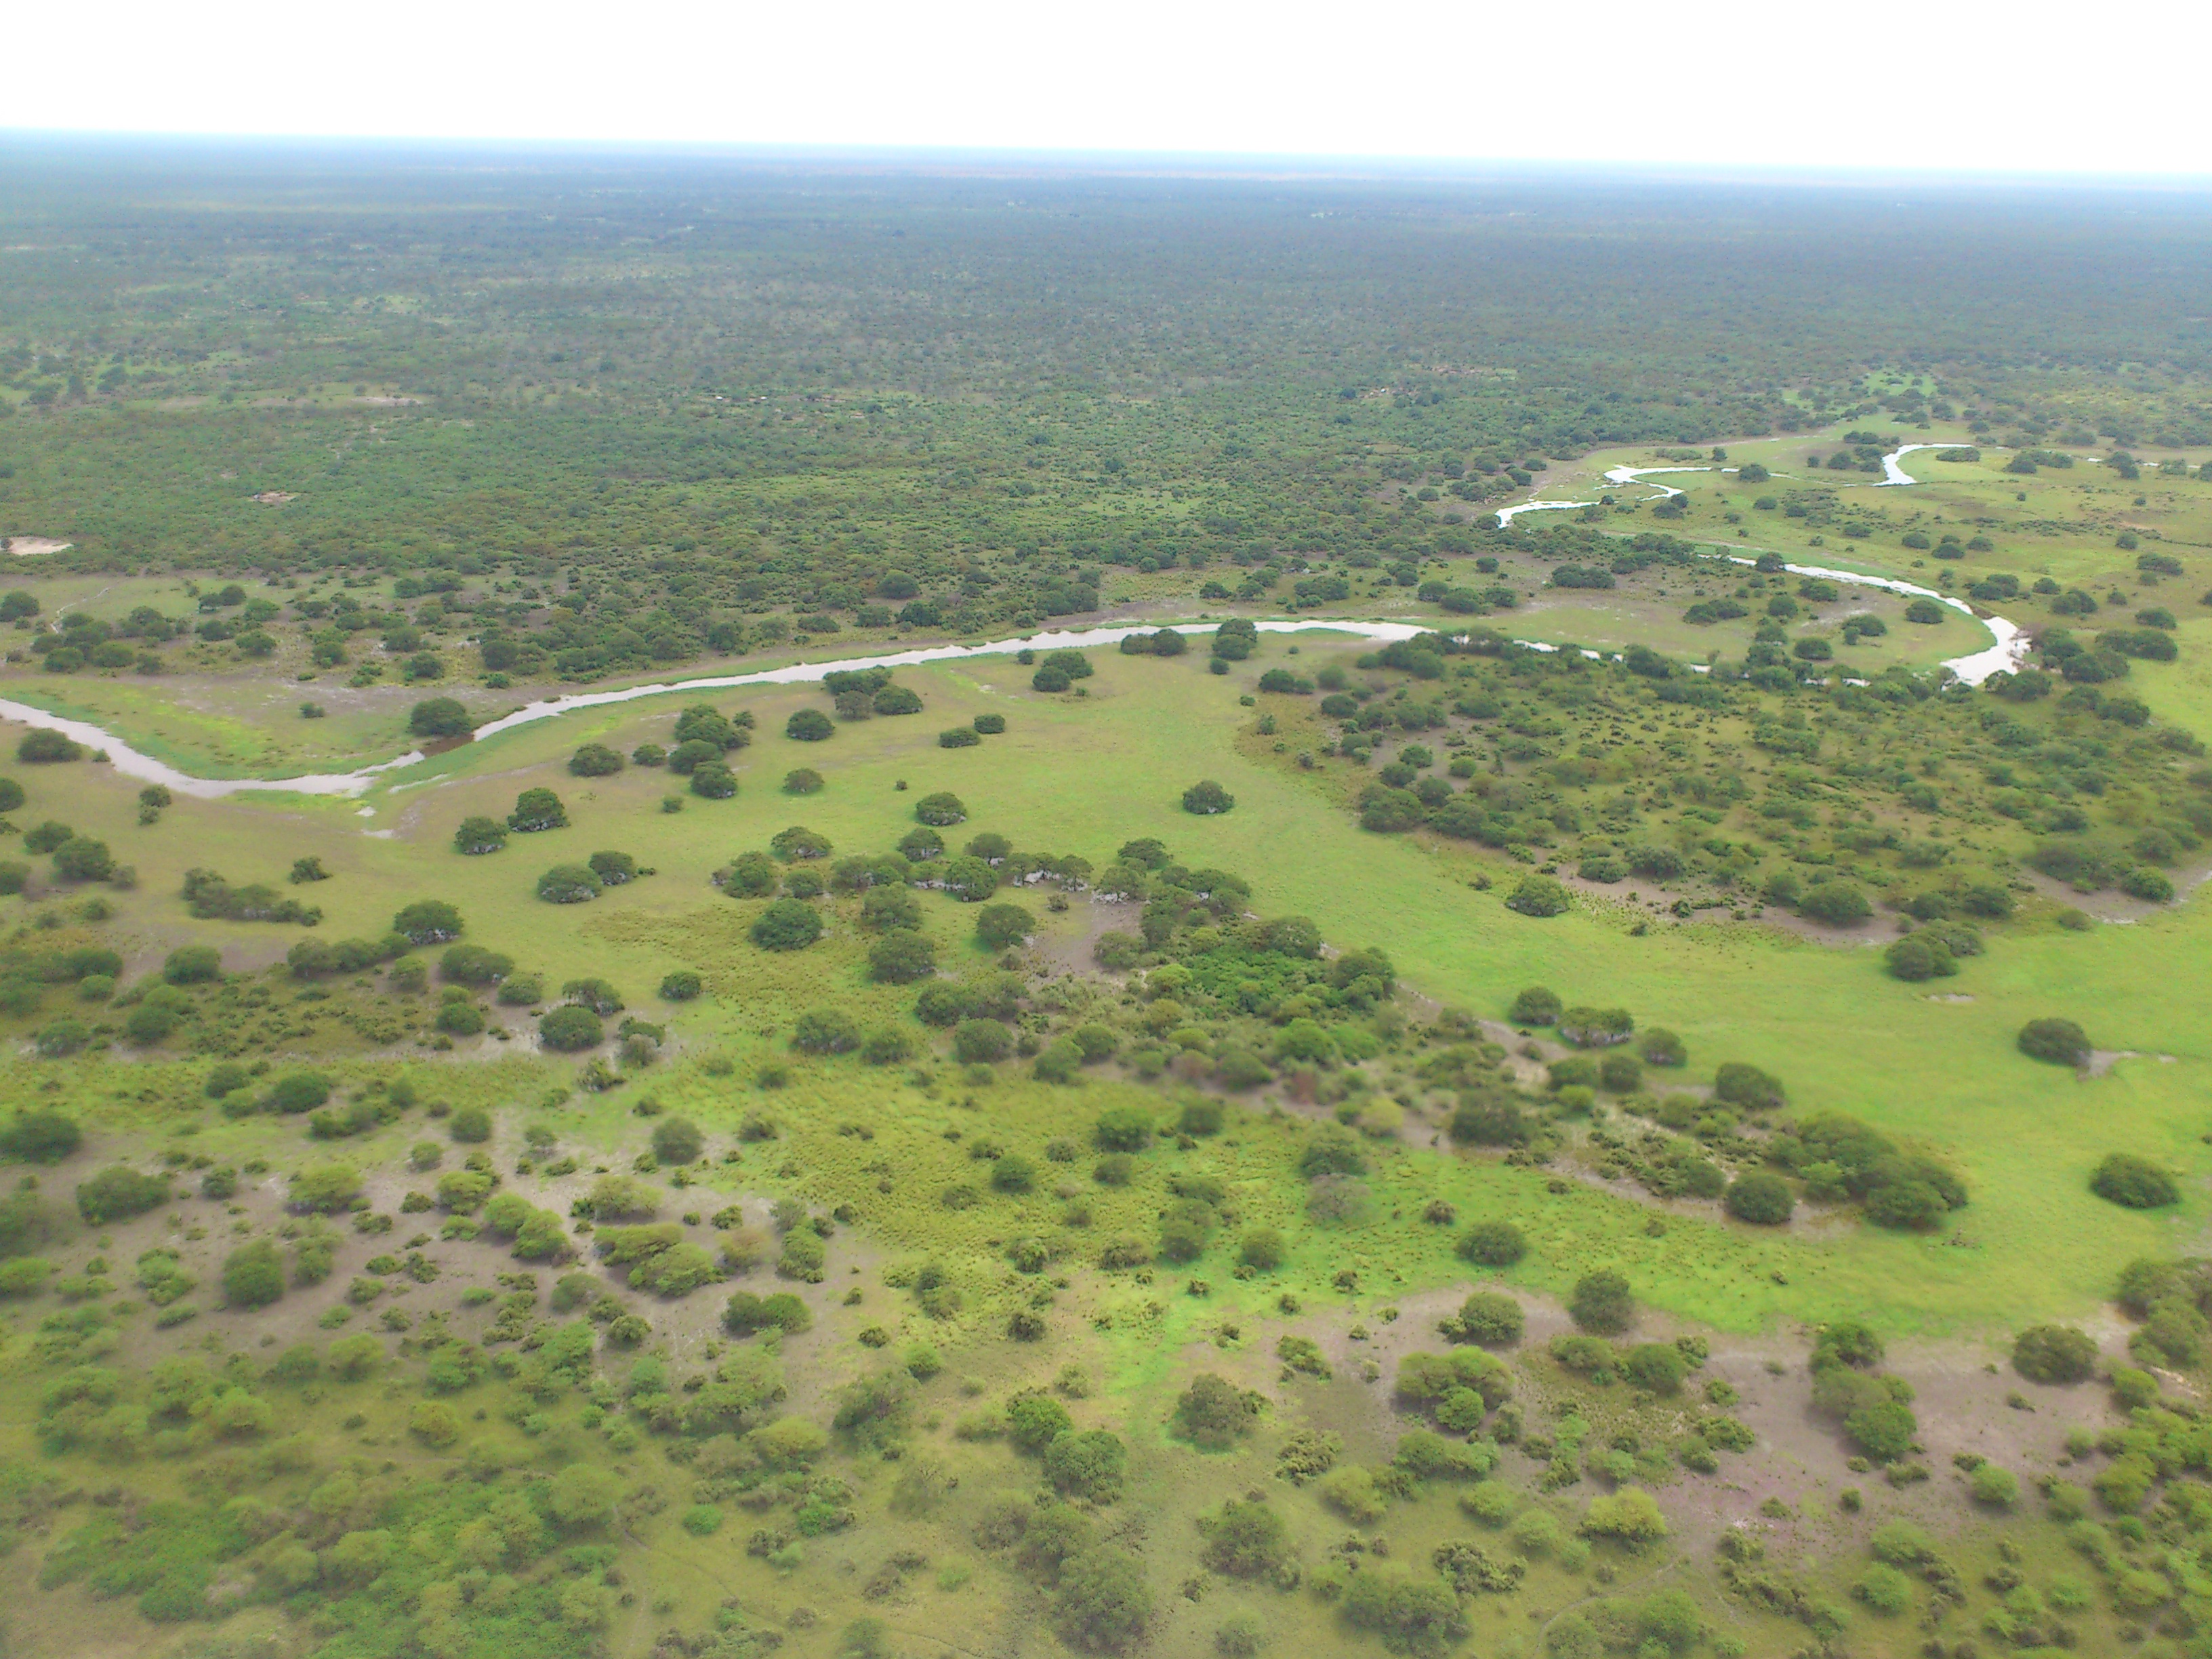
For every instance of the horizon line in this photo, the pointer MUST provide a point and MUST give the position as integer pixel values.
(1256, 166)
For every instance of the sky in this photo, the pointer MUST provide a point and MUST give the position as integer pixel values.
(1945, 88)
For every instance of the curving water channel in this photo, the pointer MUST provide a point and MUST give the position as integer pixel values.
(2006, 649)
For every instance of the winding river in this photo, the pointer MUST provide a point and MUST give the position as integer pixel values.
(2007, 645)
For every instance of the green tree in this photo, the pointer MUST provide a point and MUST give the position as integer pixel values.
(41, 1137)
(902, 957)
(117, 1193)
(1000, 926)
(1213, 1414)
(253, 1275)
(2136, 1183)
(568, 1029)
(478, 835)
(535, 810)
(1102, 1603)
(1493, 1244)
(2054, 1353)
(439, 718)
(2059, 1042)
(787, 925)
(1601, 1302)
(676, 1141)
(1764, 1199)
(429, 921)
(1207, 797)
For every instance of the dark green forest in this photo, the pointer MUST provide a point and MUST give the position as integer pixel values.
(710, 387)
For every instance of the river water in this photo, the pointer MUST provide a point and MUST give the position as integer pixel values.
(2007, 646)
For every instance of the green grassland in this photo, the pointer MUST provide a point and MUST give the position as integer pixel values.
(952, 1234)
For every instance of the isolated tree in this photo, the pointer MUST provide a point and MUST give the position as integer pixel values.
(1000, 926)
(439, 717)
(1601, 1302)
(1207, 797)
(2060, 1041)
(2133, 1182)
(787, 925)
(568, 1028)
(253, 1275)
(2054, 1353)
(536, 809)
(569, 884)
(676, 1140)
(429, 921)
(478, 835)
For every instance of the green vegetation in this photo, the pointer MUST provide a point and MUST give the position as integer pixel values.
(1116, 1177)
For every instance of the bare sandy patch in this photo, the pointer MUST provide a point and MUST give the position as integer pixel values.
(30, 547)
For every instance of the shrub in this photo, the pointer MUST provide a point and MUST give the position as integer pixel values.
(682, 986)
(1534, 1006)
(1102, 1603)
(537, 810)
(1835, 904)
(80, 859)
(253, 1275)
(1123, 1129)
(2059, 1042)
(1207, 798)
(1763, 1200)
(594, 760)
(1491, 1318)
(787, 925)
(1493, 1244)
(1746, 1087)
(117, 1193)
(825, 1031)
(1601, 1302)
(569, 1028)
(43, 747)
(1658, 1367)
(1629, 1515)
(569, 884)
(1917, 956)
(2054, 1353)
(980, 1041)
(42, 1137)
(1883, 1430)
(2133, 1182)
(479, 834)
(1261, 1249)
(1884, 1590)
(192, 964)
(1997, 1487)
(1000, 926)
(713, 781)
(439, 717)
(1539, 896)
(902, 957)
(940, 811)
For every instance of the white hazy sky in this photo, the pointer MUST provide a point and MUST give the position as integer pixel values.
(1948, 87)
